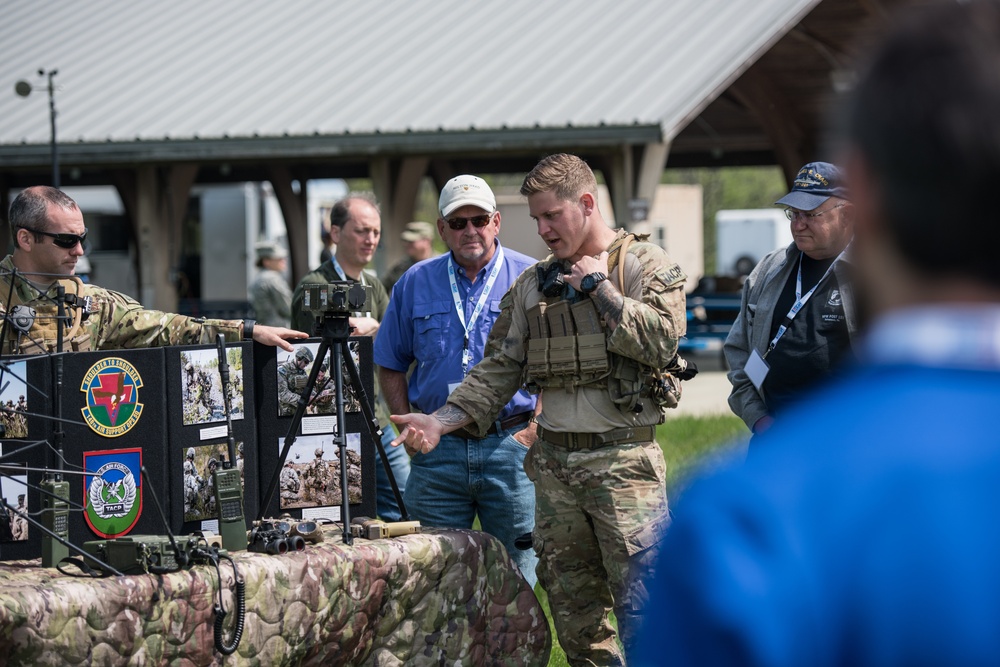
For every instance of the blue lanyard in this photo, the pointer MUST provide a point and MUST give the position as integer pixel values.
(497, 264)
(800, 300)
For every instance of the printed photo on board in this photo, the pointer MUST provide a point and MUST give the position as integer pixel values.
(311, 474)
(14, 490)
(201, 386)
(199, 483)
(13, 399)
(293, 374)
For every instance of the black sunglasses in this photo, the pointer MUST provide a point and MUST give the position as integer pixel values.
(66, 241)
(478, 221)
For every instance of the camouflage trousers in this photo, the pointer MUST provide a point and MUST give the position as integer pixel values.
(599, 517)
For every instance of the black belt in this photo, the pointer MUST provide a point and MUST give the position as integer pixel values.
(505, 424)
(578, 441)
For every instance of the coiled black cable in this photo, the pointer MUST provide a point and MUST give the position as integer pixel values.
(220, 613)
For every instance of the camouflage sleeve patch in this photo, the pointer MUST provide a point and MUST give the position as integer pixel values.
(671, 275)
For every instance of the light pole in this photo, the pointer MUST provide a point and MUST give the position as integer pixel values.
(23, 88)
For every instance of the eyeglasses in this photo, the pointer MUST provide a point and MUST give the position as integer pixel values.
(67, 241)
(792, 213)
(478, 221)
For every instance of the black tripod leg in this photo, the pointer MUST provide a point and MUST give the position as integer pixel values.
(293, 428)
(345, 496)
(373, 427)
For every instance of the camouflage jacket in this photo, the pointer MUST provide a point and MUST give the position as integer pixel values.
(653, 319)
(115, 321)
(289, 389)
(271, 298)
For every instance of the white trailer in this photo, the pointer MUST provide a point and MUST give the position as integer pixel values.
(744, 236)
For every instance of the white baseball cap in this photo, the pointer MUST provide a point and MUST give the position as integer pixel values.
(466, 190)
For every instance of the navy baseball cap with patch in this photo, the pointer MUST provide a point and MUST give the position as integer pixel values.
(814, 184)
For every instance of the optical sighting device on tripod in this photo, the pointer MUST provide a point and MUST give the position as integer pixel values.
(332, 304)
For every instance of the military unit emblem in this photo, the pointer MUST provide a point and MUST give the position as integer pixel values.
(112, 490)
(112, 389)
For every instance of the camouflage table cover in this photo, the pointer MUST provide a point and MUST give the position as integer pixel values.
(440, 597)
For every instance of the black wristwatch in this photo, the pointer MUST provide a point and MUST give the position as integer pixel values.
(248, 329)
(591, 281)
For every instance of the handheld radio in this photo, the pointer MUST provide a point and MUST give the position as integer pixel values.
(55, 517)
(228, 487)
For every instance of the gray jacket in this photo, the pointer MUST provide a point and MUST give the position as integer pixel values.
(752, 328)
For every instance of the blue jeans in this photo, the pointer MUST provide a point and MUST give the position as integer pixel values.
(461, 478)
(399, 461)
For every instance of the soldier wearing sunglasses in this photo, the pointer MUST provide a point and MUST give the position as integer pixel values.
(439, 316)
(48, 233)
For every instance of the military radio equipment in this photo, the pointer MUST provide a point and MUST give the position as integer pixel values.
(21, 317)
(336, 298)
(374, 529)
(229, 500)
(136, 554)
(228, 485)
(55, 517)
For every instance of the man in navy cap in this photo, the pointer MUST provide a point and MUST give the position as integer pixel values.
(797, 314)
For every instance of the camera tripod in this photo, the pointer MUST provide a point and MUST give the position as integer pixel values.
(334, 334)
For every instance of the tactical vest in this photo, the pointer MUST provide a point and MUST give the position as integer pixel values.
(42, 337)
(567, 348)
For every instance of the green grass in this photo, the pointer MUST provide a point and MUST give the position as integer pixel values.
(686, 442)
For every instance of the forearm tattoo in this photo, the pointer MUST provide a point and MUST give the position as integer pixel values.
(452, 417)
(609, 302)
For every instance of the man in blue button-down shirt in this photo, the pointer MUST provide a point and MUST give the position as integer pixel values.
(439, 316)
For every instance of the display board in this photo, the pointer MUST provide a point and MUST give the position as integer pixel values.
(119, 403)
(197, 426)
(310, 479)
(26, 443)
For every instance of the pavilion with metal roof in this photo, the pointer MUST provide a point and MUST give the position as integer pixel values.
(154, 97)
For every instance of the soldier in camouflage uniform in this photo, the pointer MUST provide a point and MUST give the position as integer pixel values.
(19, 525)
(208, 499)
(596, 352)
(323, 393)
(6, 523)
(289, 485)
(317, 477)
(292, 378)
(48, 232)
(193, 482)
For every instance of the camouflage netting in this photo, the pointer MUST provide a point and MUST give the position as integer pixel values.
(442, 597)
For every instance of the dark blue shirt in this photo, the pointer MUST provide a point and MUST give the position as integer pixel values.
(422, 325)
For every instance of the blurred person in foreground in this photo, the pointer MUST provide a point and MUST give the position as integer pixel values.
(269, 293)
(467, 475)
(48, 232)
(796, 316)
(590, 327)
(355, 228)
(865, 532)
(418, 240)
